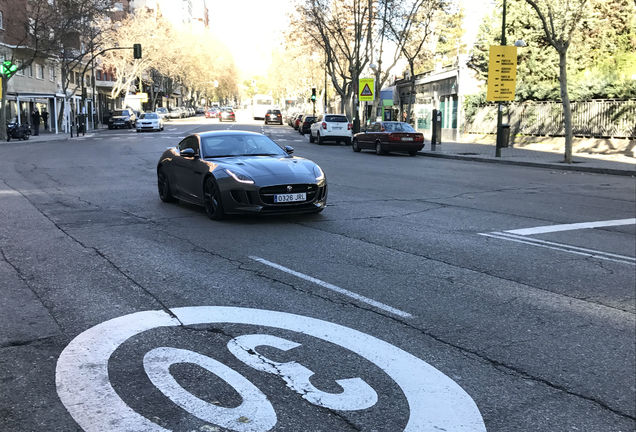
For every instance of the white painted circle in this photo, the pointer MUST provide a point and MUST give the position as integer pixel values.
(435, 401)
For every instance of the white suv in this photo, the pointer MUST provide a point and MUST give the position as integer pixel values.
(334, 127)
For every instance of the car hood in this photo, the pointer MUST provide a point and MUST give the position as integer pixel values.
(269, 170)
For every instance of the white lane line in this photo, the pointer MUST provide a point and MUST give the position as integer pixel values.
(335, 288)
(563, 248)
(573, 226)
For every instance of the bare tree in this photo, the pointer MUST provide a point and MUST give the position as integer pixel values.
(79, 38)
(411, 26)
(560, 19)
(342, 30)
(35, 39)
(408, 23)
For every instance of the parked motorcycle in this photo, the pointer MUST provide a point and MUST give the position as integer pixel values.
(18, 131)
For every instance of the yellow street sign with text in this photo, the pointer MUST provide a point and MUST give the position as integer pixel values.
(502, 73)
(366, 89)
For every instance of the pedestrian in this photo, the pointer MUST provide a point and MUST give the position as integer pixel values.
(45, 119)
(35, 118)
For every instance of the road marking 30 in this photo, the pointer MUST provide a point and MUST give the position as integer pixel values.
(435, 402)
(522, 236)
(335, 288)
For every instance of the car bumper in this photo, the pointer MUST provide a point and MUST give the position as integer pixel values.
(252, 200)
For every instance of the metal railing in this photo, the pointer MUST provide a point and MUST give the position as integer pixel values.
(595, 119)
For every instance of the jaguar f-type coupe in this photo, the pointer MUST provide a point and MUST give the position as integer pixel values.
(231, 172)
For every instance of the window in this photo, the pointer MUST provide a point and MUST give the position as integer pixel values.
(18, 63)
(99, 75)
(39, 71)
(51, 73)
(28, 71)
(1, 20)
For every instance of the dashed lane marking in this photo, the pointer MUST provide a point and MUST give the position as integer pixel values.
(335, 288)
(572, 226)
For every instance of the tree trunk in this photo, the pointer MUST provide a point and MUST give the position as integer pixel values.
(567, 112)
(411, 93)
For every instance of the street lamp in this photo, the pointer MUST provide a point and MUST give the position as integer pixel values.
(518, 43)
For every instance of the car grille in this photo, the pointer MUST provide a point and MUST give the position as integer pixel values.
(267, 193)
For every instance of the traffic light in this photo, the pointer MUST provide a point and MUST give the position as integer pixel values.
(137, 51)
(313, 94)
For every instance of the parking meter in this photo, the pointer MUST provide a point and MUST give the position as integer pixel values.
(436, 137)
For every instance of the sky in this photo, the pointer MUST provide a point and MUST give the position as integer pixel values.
(251, 29)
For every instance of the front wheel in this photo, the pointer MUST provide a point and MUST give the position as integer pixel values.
(165, 194)
(212, 200)
(355, 146)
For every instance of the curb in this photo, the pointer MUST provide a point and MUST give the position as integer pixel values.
(557, 166)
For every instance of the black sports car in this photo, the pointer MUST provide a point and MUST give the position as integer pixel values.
(229, 172)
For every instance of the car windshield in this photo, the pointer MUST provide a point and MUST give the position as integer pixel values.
(149, 116)
(240, 145)
(309, 119)
(398, 127)
(120, 113)
(161, 110)
(336, 119)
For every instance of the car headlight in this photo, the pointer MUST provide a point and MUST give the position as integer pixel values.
(241, 178)
(319, 174)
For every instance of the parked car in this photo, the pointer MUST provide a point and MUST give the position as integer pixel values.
(240, 172)
(175, 112)
(331, 127)
(305, 124)
(273, 116)
(163, 113)
(390, 136)
(297, 120)
(122, 119)
(211, 113)
(149, 122)
(227, 113)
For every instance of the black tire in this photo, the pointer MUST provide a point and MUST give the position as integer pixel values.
(320, 139)
(212, 200)
(378, 149)
(129, 125)
(311, 137)
(355, 146)
(412, 152)
(163, 184)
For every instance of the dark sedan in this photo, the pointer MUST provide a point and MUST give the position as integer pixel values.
(305, 124)
(122, 119)
(273, 116)
(390, 136)
(230, 172)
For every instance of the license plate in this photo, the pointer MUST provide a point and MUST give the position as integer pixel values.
(407, 139)
(282, 198)
(336, 127)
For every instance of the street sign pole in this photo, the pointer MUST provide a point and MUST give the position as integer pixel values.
(500, 104)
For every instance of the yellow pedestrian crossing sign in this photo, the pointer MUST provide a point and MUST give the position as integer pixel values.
(365, 89)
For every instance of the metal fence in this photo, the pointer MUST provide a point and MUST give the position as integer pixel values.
(596, 119)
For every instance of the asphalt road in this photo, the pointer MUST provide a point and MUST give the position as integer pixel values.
(406, 305)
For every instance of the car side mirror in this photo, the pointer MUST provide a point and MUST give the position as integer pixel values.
(189, 152)
(289, 149)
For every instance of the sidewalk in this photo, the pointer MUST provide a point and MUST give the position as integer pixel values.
(46, 136)
(537, 157)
